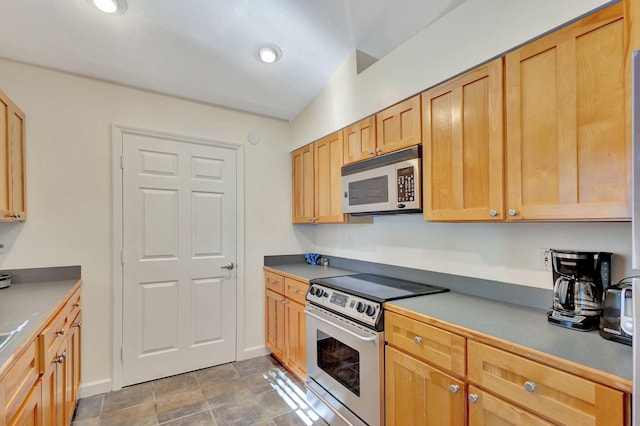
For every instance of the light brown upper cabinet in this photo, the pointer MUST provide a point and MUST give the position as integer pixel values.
(316, 181)
(360, 140)
(399, 126)
(567, 122)
(12, 147)
(463, 147)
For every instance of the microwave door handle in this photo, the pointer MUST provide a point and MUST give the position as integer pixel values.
(339, 327)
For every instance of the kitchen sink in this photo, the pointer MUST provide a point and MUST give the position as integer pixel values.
(7, 336)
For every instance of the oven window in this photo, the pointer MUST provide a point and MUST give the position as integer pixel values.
(369, 191)
(340, 361)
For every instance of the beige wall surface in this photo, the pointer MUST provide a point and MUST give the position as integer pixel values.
(473, 33)
(69, 172)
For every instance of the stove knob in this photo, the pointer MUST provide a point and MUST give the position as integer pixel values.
(324, 293)
(371, 310)
(312, 290)
(360, 307)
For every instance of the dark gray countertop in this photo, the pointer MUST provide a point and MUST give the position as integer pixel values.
(309, 272)
(524, 326)
(28, 303)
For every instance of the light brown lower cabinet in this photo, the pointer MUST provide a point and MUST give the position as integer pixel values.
(419, 394)
(285, 332)
(427, 384)
(487, 410)
(40, 387)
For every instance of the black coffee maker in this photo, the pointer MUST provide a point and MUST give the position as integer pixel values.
(579, 279)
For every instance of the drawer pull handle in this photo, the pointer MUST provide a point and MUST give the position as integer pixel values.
(417, 340)
(76, 305)
(493, 213)
(77, 324)
(295, 290)
(60, 332)
(454, 388)
(473, 398)
(530, 386)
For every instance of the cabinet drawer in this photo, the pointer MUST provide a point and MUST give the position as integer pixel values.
(20, 379)
(486, 409)
(52, 336)
(436, 346)
(274, 282)
(554, 394)
(74, 304)
(295, 290)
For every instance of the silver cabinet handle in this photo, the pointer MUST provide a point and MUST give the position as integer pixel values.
(60, 332)
(295, 290)
(417, 340)
(16, 215)
(493, 213)
(77, 324)
(378, 150)
(76, 305)
(229, 266)
(454, 388)
(530, 386)
(284, 302)
(370, 152)
(473, 398)
(513, 212)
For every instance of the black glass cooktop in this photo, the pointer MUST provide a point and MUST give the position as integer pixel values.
(377, 287)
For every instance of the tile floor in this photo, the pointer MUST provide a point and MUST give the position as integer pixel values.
(258, 391)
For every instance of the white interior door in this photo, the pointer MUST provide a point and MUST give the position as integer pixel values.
(179, 234)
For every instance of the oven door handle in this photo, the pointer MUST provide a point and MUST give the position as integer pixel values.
(339, 327)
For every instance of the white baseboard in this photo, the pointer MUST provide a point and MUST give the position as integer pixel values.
(95, 388)
(253, 352)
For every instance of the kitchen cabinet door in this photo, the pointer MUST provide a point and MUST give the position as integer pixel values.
(567, 122)
(486, 410)
(360, 140)
(54, 386)
(12, 141)
(463, 147)
(73, 368)
(399, 126)
(327, 179)
(296, 338)
(30, 413)
(303, 196)
(275, 324)
(418, 394)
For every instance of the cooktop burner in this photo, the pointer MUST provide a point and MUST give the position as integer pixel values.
(377, 287)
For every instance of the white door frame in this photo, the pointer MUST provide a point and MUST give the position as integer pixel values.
(117, 135)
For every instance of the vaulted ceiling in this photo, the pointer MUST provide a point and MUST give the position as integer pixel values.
(206, 50)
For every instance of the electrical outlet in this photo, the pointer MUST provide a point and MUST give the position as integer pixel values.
(544, 259)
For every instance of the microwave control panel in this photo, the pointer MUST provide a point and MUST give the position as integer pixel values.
(406, 184)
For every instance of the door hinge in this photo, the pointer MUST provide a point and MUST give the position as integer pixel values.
(122, 161)
(121, 356)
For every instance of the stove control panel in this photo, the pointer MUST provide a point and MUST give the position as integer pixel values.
(354, 307)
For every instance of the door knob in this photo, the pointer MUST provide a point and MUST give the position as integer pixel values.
(229, 266)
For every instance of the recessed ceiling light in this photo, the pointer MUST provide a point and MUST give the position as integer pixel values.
(269, 54)
(110, 6)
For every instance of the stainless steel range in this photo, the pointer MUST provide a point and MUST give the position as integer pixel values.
(345, 344)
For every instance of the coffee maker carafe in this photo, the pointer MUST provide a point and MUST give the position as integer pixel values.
(579, 279)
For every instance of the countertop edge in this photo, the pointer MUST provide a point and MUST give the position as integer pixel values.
(550, 360)
(28, 339)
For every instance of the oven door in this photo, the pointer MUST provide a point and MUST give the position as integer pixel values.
(346, 360)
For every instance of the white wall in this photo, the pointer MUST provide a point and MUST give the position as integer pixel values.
(475, 32)
(69, 168)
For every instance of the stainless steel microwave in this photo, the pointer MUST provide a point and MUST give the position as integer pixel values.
(386, 184)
